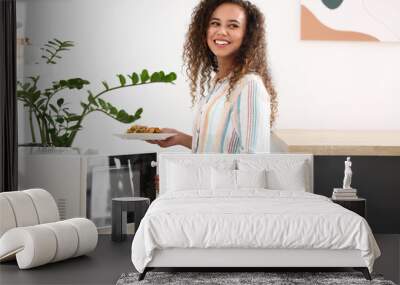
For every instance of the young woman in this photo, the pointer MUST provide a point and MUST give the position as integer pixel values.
(225, 59)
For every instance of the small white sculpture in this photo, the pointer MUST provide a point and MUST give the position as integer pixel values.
(347, 174)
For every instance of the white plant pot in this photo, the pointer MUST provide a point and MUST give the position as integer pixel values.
(60, 170)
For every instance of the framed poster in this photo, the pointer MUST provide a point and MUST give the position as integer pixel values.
(350, 20)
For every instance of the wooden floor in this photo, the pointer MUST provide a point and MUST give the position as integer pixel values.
(110, 260)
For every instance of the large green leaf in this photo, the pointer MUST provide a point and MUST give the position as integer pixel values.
(103, 104)
(130, 119)
(73, 83)
(113, 111)
(124, 117)
(73, 118)
(60, 120)
(60, 141)
(60, 102)
(134, 77)
(21, 93)
(138, 112)
(144, 76)
(122, 79)
(121, 114)
(170, 77)
(105, 84)
(156, 77)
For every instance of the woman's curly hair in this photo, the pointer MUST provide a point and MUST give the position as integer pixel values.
(200, 62)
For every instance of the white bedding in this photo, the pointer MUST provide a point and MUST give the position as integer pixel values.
(251, 218)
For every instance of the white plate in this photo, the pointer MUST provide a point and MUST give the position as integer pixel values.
(145, 136)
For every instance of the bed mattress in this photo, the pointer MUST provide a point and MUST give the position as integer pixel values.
(250, 219)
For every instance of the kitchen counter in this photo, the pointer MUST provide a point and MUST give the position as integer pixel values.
(335, 142)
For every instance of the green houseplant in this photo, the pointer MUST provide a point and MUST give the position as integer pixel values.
(57, 124)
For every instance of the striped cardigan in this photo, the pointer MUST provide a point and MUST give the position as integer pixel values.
(240, 125)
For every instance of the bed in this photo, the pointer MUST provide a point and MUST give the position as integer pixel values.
(247, 210)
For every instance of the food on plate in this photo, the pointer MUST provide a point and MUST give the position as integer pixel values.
(143, 129)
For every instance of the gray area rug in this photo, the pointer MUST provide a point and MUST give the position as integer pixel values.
(269, 278)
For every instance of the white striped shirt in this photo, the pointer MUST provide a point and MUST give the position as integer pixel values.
(240, 125)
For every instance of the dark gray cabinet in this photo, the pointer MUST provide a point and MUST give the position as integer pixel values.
(358, 206)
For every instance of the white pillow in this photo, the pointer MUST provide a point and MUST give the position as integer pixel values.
(292, 179)
(223, 179)
(251, 178)
(182, 177)
(282, 174)
(236, 179)
(193, 173)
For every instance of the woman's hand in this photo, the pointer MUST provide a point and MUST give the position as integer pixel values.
(171, 141)
(178, 139)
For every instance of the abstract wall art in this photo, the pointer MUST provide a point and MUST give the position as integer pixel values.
(350, 20)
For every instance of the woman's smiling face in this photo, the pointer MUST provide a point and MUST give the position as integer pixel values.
(226, 30)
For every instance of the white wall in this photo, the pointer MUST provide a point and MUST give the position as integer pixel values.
(321, 85)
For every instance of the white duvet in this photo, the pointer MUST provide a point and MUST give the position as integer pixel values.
(252, 218)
